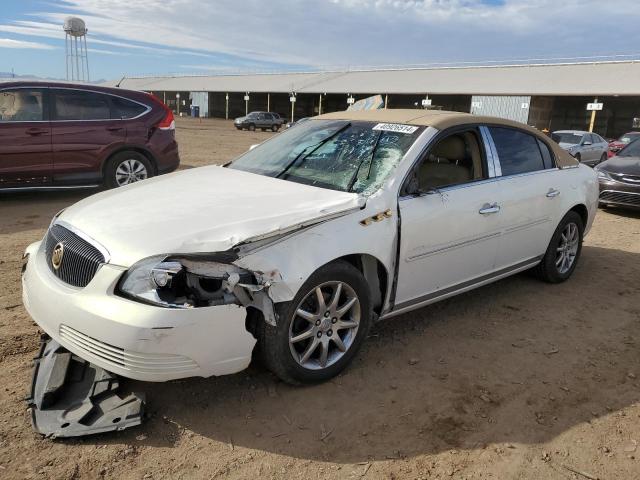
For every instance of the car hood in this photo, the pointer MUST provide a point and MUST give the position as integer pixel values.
(621, 165)
(206, 209)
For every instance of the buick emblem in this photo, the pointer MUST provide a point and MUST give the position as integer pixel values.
(56, 256)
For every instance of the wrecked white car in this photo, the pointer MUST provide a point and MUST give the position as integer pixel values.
(298, 245)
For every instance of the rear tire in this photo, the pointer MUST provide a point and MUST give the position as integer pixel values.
(127, 167)
(603, 158)
(564, 250)
(313, 341)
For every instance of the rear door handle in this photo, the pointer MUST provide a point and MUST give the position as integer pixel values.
(37, 131)
(114, 129)
(488, 209)
(553, 193)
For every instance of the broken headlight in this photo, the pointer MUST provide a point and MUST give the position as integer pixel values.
(183, 283)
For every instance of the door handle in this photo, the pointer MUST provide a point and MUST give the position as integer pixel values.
(488, 209)
(114, 129)
(36, 131)
(553, 193)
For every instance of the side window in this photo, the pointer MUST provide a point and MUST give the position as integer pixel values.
(518, 151)
(21, 105)
(453, 160)
(81, 105)
(124, 109)
(547, 155)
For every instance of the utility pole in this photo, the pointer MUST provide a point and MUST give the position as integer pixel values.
(226, 106)
(268, 102)
(593, 117)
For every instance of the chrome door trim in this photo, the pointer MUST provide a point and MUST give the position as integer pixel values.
(493, 162)
(446, 248)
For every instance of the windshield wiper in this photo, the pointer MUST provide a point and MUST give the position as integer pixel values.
(313, 148)
(354, 177)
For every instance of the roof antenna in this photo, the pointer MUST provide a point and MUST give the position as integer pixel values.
(121, 80)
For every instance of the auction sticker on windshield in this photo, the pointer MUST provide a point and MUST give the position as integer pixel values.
(395, 127)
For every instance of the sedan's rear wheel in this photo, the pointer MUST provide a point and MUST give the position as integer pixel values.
(319, 332)
(564, 250)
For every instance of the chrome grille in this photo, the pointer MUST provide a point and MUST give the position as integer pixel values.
(620, 197)
(80, 260)
(621, 177)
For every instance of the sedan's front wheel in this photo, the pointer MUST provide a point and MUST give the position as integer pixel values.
(320, 331)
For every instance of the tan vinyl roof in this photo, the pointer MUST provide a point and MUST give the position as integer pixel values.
(442, 120)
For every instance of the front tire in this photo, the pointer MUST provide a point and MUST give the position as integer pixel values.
(127, 167)
(564, 250)
(320, 331)
(274, 128)
(252, 128)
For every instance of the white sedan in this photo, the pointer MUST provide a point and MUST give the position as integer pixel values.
(300, 244)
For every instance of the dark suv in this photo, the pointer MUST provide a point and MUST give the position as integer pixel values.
(56, 134)
(261, 120)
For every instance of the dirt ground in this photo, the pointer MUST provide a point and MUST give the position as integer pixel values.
(518, 379)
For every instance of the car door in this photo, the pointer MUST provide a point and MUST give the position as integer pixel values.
(25, 138)
(83, 135)
(590, 148)
(450, 228)
(530, 189)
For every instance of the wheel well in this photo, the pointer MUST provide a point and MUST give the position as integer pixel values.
(374, 273)
(583, 212)
(139, 150)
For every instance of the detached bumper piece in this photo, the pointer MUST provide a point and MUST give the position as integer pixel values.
(71, 397)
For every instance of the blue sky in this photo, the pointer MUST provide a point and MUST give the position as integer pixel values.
(136, 37)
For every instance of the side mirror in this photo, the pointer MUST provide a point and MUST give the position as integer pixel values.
(587, 143)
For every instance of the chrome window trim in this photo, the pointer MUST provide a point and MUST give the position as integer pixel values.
(148, 108)
(105, 253)
(495, 170)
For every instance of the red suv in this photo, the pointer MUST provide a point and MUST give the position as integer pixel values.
(56, 134)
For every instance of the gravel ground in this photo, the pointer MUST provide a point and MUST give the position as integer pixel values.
(518, 379)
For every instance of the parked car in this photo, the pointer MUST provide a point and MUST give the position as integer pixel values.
(619, 178)
(616, 145)
(279, 117)
(61, 135)
(588, 148)
(349, 218)
(261, 120)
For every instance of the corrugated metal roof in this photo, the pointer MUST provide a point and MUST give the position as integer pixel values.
(604, 78)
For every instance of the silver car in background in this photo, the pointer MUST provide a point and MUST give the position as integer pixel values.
(588, 148)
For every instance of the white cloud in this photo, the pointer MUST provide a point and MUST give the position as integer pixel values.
(350, 32)
(9, 43)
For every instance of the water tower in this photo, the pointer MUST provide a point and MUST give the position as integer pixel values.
(76, 49)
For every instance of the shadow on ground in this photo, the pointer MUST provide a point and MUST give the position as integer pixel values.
(518, 361)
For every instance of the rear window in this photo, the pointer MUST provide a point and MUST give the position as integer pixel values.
(567, 137)
(81, 105)
(125, 109)
(518, 151)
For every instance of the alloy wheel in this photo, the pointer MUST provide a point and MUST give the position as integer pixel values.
(325, 325)
(130, 171)
(568, 248)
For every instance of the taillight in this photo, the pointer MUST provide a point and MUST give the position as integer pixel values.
(168, 121)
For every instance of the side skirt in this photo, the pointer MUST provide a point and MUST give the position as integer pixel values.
(460, 288)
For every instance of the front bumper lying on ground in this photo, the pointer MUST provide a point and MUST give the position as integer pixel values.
(71, 397)
(129, 338)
